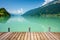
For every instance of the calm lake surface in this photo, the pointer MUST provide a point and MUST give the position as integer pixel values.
(36, 24)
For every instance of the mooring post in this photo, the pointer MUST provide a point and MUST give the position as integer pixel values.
(49, 29)
(29, 29)
(30, 32)
(8, 29)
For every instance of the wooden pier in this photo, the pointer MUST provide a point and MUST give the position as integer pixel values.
(29, 36)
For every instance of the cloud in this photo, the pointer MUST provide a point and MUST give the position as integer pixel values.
(46, 1)
(18, 11)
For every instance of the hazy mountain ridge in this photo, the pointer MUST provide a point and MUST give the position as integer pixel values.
(52, 8)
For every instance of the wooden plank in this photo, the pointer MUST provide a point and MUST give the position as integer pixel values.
(5, 36)
(26, 37)
(20, 34)
(30, 36)
(34, 36)
(45, 37)
(2, 33)
(42, 38)
(23, 35)
(56, 35)
(55, 38)
(11, 35)
(38, 35)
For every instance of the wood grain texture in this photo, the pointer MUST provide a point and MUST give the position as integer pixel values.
(29, 36)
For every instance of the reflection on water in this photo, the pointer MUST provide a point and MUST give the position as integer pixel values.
(42, 19)
(16, 19)
(43, 23)
(4, 19)
(22, 24)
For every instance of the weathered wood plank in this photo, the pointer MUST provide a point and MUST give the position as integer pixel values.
(19, 36)
(30, 36)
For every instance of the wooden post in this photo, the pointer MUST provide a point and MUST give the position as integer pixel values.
(30, 32)
(29, 29)
(8, 29)
(49, 29)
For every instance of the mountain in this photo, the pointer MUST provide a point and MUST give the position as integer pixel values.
(3, 12)
(52, 8)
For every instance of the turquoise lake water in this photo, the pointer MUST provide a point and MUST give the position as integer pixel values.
(36, 24)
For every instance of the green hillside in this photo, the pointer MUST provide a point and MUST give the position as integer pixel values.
(3, 12)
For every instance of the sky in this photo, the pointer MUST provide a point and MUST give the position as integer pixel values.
(21, 6)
